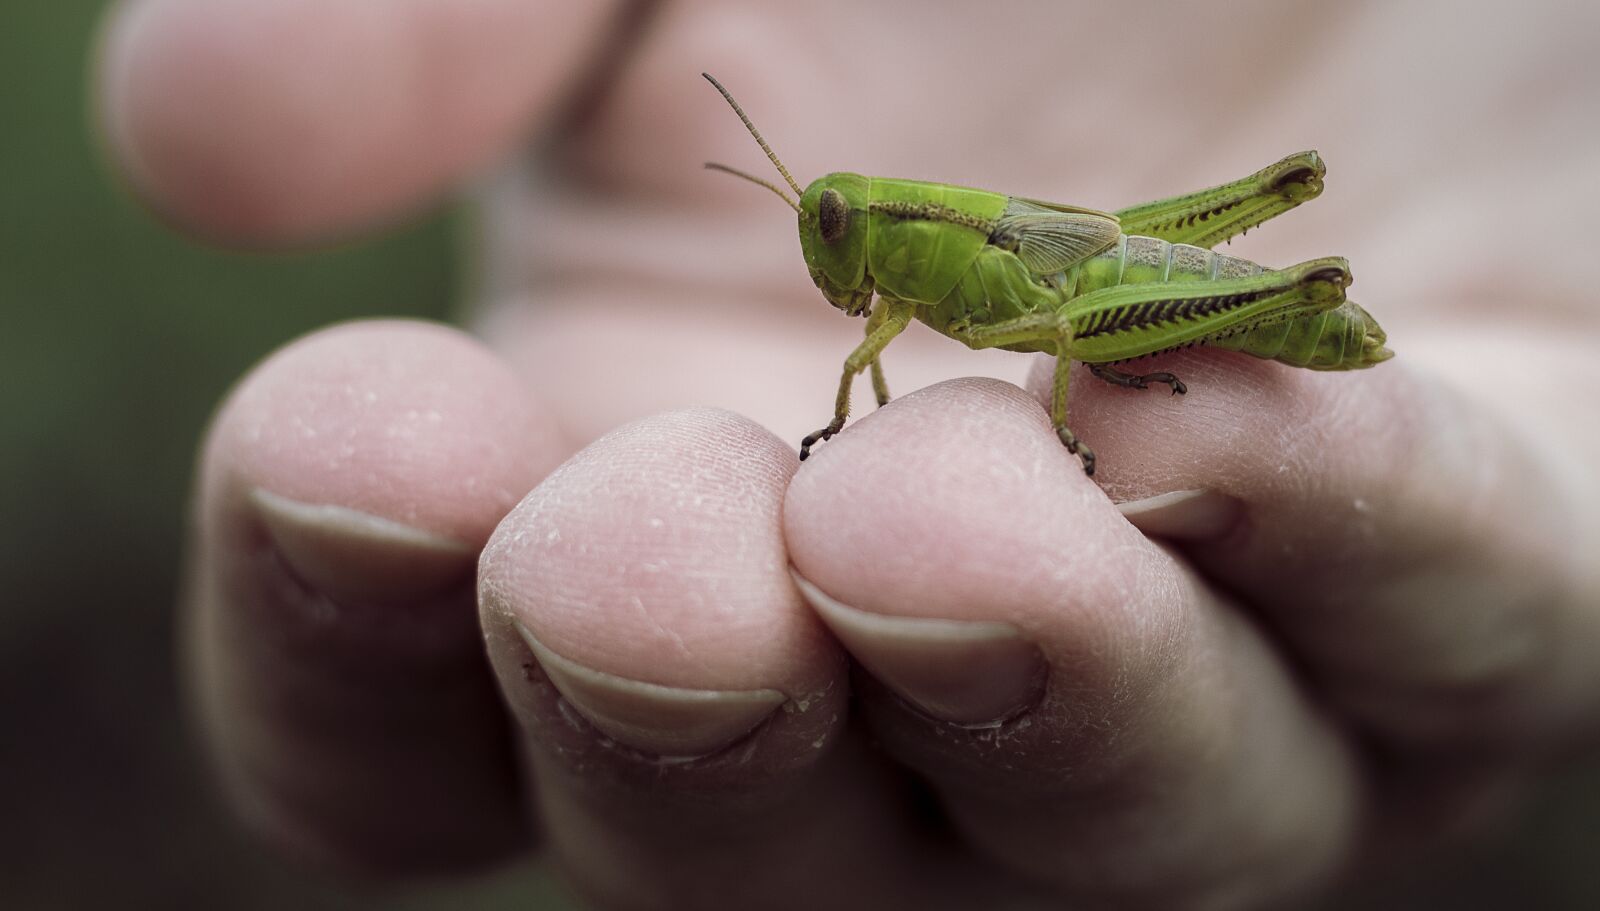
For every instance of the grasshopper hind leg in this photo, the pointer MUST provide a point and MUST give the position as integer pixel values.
(1137, 381)
(1209, 217)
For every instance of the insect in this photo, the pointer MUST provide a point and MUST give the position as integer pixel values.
(996, 271)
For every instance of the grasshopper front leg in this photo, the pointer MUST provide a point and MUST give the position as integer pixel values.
(880, 386)
(896, 316)
(1209, 217)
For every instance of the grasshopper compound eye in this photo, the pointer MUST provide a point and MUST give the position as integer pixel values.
(833, 215)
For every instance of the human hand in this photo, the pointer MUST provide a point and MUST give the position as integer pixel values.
(1376, 621)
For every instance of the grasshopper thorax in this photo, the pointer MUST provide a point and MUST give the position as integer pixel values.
(833, 237)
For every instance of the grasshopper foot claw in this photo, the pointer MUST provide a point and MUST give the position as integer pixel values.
(1177, 385)
(812, 439)
(1084, 453)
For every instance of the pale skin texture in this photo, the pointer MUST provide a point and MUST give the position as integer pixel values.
(1370, 636)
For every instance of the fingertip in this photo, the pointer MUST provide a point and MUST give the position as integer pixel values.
(684, 713)
(1351, 508)
(957, 510)
(1131, 430)
(657, 553)
(961, 455)
(218, 133)
(346, 487)
(1054, 675)
(1249, 427)
(288, 122)
(411, 423)
(638, 608)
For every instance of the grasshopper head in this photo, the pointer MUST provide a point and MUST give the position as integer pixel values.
(833, 223)
(833, 236)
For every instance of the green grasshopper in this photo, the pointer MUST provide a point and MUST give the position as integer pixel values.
(997, 271)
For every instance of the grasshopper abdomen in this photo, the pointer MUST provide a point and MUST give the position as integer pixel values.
(1137, 260)
(1344, 338)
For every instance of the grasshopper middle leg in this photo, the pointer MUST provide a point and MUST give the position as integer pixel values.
(1038, 327)
(1135, 380)
(880, 386)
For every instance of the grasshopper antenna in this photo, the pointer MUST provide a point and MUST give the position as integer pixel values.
(757, 134)
(714, 166)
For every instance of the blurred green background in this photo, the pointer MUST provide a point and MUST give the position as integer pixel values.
(117, 337)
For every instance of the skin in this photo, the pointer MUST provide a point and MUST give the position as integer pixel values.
(1369, 634)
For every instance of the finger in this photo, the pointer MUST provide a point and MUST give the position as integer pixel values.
(346, 488)
(682, 708)
(1090, 715)
(284, 122)
(1406, 542)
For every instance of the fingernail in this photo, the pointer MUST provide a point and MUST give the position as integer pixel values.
(348, 554)
(1183, 514)
(666, 721)
(966, 672)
